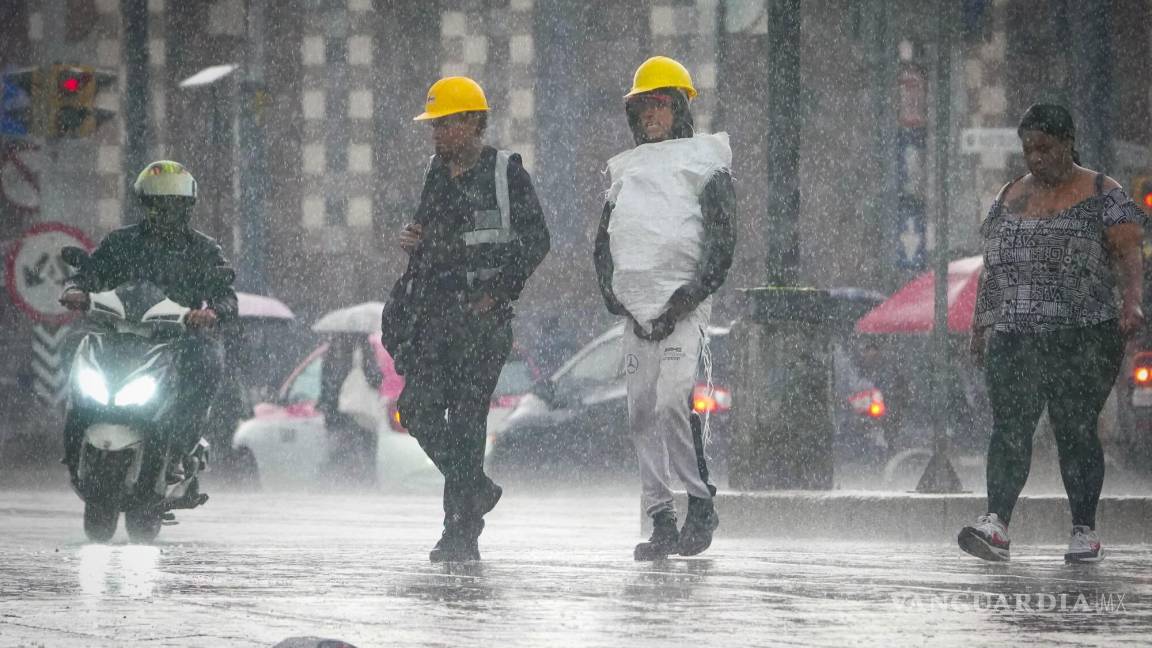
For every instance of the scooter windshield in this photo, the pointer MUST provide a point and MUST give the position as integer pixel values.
(139, 308)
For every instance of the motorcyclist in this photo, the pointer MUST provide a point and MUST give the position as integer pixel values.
(190, 268)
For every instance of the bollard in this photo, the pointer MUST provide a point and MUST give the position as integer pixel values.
(782, 428)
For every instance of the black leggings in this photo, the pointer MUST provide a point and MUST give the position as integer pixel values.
(1070, 371)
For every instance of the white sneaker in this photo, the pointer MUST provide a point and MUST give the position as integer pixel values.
(987, 539)
(1084, 546)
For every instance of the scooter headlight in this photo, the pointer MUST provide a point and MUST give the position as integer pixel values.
(137, 392)
(92, 385)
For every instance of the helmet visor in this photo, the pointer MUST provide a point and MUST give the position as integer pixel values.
(168, 212)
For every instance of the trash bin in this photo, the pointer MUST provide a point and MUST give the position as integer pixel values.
(782, 416)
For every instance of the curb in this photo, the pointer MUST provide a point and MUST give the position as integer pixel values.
(912, 517)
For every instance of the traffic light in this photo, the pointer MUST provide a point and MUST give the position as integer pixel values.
(56, 101)
(68, 101)
(1142, 192)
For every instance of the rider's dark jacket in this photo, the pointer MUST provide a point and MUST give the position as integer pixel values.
(187, 266)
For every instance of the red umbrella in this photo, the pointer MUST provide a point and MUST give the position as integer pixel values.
(910, 310)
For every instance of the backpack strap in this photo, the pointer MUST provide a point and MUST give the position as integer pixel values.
(1099, 183)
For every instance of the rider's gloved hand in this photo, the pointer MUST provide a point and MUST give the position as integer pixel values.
(201, 318)
(74, 299)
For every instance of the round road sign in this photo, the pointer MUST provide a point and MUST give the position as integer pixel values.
(35, 272)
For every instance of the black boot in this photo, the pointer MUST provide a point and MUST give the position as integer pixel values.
(487, 497)
(457, 544)
(664, 540)
(701, 521)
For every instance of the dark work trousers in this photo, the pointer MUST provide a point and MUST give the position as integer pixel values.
(1069, 371)
(199, 362)
(444, 406)
(201, 366)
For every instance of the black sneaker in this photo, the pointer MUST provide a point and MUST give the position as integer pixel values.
(701, 521)
(454, 548)
(664, 541)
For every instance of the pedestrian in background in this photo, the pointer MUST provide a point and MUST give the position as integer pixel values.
(664, 245)
(478, 235)
(1058, 243)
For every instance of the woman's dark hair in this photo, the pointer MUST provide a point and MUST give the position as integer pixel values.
(682, 124)
(1050, 119)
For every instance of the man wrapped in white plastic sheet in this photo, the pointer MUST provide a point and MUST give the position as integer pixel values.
(664, 245)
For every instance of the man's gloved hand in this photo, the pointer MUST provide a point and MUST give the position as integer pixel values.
(201, 318)
(661, 327)
(74, 299)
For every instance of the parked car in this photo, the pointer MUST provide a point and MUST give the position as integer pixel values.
(576, 421)
(334, 418)
(1129, 437)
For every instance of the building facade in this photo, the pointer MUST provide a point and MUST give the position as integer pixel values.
(328, 88)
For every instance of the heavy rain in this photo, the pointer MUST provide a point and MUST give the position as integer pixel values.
(575, 323)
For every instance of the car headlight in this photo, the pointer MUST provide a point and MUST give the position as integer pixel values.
(137, 392)
(92, 384)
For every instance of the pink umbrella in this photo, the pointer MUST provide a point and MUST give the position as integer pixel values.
(910, 310)
(261, 306)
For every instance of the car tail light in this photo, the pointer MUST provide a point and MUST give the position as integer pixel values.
(869, 402)
(1142, 370)
(710, 401)
(394, 420)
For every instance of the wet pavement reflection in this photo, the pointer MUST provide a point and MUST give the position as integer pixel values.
(252, 569)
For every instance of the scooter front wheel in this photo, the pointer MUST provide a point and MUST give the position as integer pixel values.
(143, 524)
(100, 519)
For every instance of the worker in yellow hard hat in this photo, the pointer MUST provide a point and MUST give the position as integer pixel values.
(664, 245)
(476, 237)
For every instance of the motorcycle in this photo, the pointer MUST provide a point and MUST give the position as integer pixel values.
(124, 387)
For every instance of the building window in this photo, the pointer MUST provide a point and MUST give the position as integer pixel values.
(335, 211)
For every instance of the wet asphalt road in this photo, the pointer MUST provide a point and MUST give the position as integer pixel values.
(253, 569)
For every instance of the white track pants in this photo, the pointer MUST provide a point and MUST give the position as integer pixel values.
(661, 376)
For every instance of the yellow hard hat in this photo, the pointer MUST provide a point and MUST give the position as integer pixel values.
(661, 72)
(452, 95)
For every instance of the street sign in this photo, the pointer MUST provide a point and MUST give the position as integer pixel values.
(35, 272)
(49, 370)
(989, 140)
(20, 165)
(910, 248)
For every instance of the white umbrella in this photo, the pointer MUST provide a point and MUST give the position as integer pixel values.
(361, 318)
(262, 306)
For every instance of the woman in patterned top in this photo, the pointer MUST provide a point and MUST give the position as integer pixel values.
(1059, 243)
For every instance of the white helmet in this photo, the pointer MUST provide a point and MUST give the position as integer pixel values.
(165, 178)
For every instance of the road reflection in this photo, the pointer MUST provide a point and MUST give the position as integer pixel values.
(118, 570)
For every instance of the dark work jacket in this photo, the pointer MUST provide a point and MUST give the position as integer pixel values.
(185, 266)
(435, 285)
(718, 206)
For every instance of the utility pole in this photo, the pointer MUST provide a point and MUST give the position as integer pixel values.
(783, 143)
(134, 14)
(253, 174)
(782, 435)
(1091, 80)
(939, 476)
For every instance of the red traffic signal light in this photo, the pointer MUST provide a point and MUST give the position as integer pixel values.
(72, 81)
